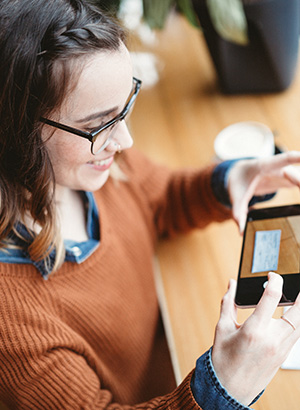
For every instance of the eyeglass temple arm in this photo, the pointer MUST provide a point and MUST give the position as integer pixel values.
(67, 128)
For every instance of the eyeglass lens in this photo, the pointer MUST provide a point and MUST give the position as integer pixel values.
(104, 137)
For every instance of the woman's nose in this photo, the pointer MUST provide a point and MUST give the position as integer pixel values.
(121, 139)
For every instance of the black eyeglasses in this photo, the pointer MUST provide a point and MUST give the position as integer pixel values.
(105, 131)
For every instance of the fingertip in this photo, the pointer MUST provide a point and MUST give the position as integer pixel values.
(240, 213)
(297, 301)
(227, 304)
(275, 276)
(274, 284)
(231, 289)
(240, 223)
(232, 283)
(270, 298)
(231, 286)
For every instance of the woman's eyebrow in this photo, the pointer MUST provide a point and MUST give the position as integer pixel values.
(97, 115)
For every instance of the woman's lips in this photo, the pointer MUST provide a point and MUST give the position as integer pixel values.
(101, 165)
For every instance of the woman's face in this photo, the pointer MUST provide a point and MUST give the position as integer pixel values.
(100, 94)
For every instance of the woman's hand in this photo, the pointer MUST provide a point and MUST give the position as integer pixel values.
(260, 177)
(247, 356)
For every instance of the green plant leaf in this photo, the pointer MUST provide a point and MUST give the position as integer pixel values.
(229, 20)
(187, 9)
(155, 12)
(109, 6)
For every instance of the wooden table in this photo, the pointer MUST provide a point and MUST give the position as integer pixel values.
(175, 122)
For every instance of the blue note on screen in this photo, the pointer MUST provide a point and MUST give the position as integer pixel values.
(266, 251)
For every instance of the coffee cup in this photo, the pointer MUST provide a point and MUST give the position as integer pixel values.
(243, 140)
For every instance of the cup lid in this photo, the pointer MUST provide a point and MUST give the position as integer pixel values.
(244, 139)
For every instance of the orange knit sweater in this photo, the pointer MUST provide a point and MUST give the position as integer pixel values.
(90, 336)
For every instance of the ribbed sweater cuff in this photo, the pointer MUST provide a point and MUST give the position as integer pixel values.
(182, 397)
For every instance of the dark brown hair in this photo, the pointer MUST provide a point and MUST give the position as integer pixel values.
(39, 42)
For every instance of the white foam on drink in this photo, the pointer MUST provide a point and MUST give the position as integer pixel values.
(244, 139)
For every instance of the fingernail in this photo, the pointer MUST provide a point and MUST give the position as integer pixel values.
(274, 275)
(271, 274)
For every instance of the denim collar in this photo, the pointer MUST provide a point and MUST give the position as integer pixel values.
(76, 252)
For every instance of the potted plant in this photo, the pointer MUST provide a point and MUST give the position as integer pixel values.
(155, 12)
(253, 43)
(267, 61)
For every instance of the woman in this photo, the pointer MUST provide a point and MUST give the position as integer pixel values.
(80, 323)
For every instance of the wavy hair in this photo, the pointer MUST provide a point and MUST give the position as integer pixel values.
(39, 42)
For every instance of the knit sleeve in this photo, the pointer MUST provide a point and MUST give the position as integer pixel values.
(48, 362)
(179, 199)
(63, 379)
